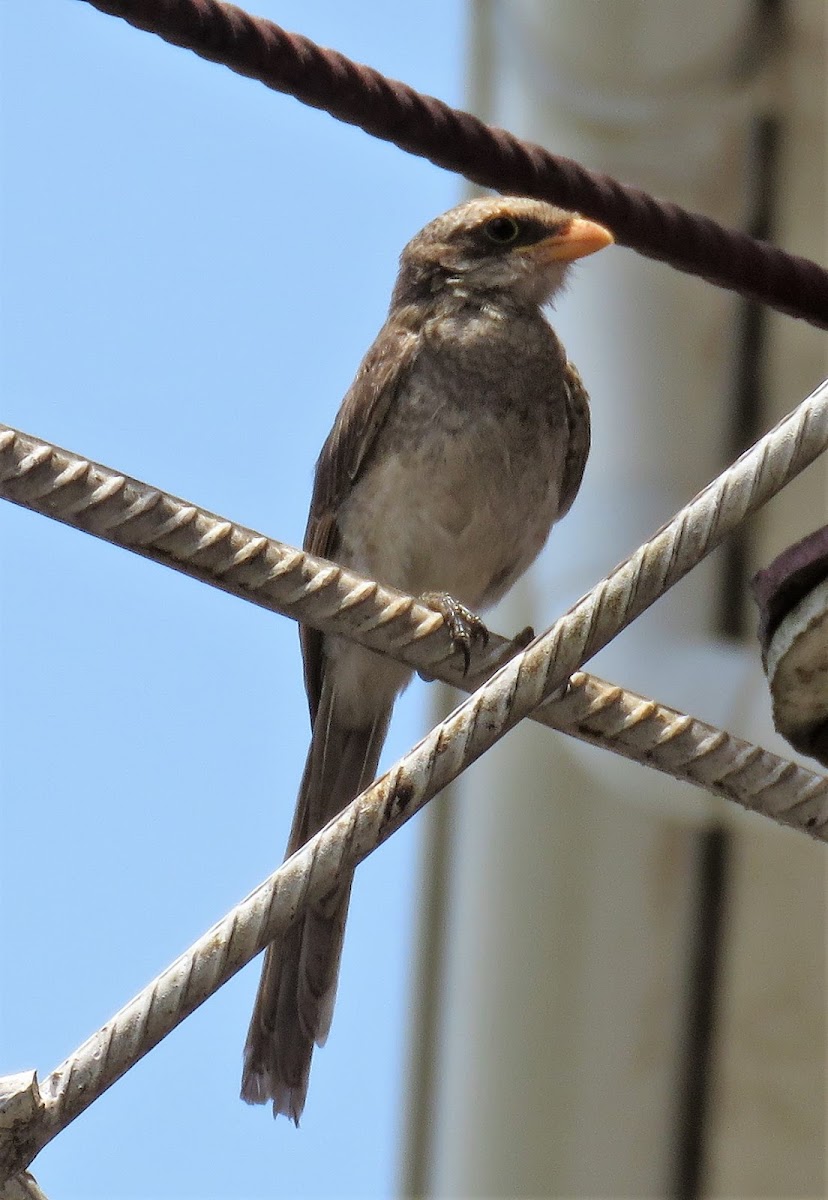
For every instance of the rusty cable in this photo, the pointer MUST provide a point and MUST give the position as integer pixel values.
(484, 154)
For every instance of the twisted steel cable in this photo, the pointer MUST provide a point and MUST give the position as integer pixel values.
(486, 155)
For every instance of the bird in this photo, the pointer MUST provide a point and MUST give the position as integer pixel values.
(461, 441)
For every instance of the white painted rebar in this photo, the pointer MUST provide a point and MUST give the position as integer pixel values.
(342, 845)
(693, 751)
(516, 690)
(101, 501)
(152, 523)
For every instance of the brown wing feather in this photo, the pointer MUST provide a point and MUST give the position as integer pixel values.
(347, 449)
(577, 451)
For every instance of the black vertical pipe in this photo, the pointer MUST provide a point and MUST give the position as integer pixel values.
(715, 849)
(704, 987)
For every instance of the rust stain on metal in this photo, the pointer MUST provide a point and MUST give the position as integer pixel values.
(402, 794)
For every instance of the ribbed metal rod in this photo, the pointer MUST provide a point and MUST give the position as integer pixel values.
(513, 692)
(101, 501)
(308, 875)
(104, 502)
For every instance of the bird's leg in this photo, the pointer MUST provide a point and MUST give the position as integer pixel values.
(464, 627)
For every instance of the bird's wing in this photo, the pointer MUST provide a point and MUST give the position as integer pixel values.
(577, 450)
(344, 456)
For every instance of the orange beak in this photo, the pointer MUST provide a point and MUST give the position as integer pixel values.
(581, 237)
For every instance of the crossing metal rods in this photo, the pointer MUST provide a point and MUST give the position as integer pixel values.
(517, 689)
(159, 526)
(101, 501)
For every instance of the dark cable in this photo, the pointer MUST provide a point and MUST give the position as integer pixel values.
(488, 156)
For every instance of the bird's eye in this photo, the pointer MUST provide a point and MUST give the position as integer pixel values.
(501, 230)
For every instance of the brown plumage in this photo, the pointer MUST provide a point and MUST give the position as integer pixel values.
(461, 441)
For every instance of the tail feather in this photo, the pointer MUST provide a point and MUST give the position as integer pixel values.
(295, 1001)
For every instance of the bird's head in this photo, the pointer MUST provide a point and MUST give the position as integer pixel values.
(496, 247)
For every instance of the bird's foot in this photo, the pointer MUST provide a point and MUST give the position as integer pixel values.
(464, 627)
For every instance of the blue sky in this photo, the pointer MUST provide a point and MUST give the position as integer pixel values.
(191, 269)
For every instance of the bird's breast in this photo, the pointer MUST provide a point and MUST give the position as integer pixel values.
(463, 483)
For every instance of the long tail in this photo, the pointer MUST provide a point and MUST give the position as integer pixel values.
(295, 1000)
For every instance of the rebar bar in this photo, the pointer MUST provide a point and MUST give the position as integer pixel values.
(345, 842)
(513, 692)
(101, 501)
(310, 873)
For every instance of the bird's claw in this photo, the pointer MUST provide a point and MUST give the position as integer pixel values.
(521, 640)
(464, 627)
